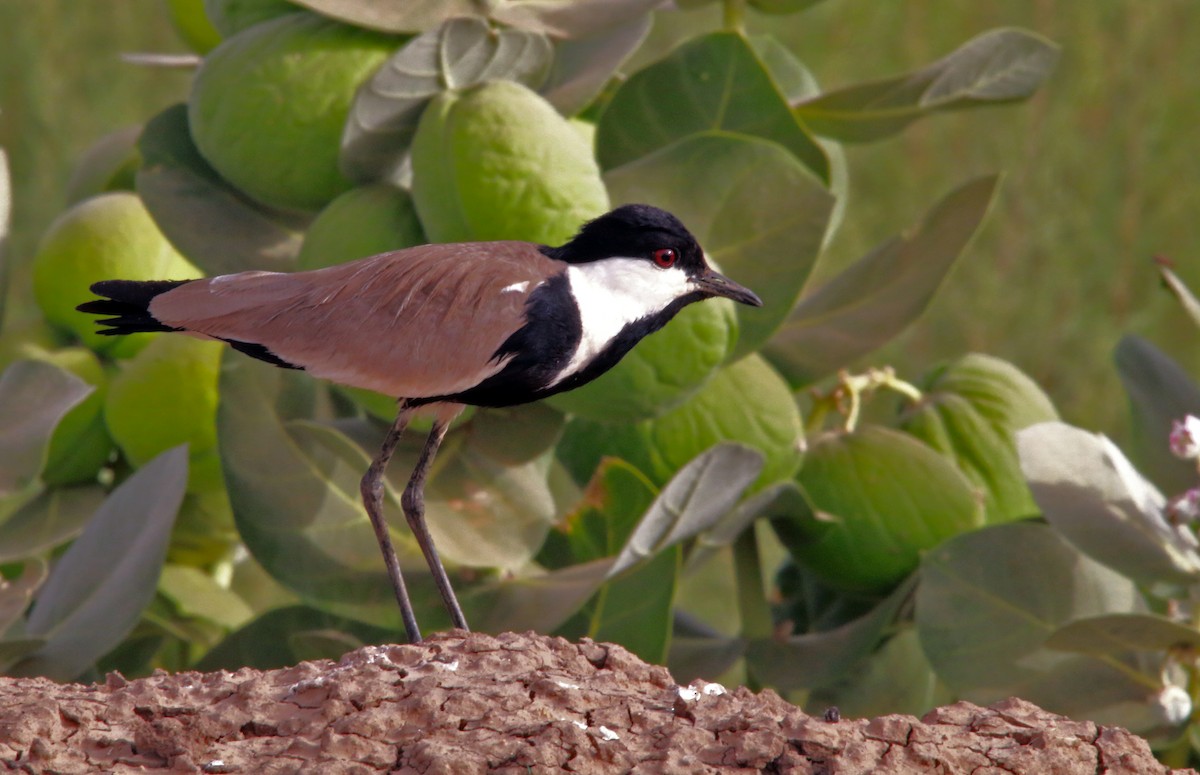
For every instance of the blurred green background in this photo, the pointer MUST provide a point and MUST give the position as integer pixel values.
(1101, 165)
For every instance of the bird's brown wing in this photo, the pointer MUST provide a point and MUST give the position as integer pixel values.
(415, 323)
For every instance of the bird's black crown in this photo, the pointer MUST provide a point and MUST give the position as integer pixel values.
(631, 231)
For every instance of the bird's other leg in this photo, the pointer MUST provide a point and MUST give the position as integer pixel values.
(372, 495)
(413, 502)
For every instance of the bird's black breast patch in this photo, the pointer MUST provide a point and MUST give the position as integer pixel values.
(536, 352)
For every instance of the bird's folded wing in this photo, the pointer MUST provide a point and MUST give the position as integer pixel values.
(421, 322)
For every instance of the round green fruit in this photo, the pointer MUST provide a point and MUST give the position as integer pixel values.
(362, 222)
(662, 371)
(165, 396)
(107, 237)
(268, 106)
(498, 162)
(879, 498)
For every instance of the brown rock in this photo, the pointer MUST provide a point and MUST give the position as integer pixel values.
(473, 703)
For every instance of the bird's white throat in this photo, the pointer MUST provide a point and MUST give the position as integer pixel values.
(612, 293)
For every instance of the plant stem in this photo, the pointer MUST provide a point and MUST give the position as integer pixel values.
(734, 15)
(752, 603)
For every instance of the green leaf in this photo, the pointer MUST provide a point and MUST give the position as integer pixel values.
(635, 609)
(583, 65)
(613, 502)
(822, 658)
(16, 594)
(875, 298)
(763, 225)
(483, 513)
(1095, 498)
(988, 601)
(98, 588)
(217, 227)
(34, 397)
(1160, 392)
(704, 656)
(14, 650)
(1123, 632)
(781, 497)
(796, 82)
(534, 602)
(880, 498)
(714, 83)
(294, 488)
(197, 594)
(54, 517)
(896, 678)
(459, 54)
(1000, 65)
(746, 402)
(516, 434)
(273, 639)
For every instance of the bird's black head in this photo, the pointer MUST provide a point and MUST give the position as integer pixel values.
(651, 234)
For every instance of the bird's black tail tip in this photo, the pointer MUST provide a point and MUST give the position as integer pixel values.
(127, 305)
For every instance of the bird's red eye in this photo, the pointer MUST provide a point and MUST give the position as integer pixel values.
(664, 257)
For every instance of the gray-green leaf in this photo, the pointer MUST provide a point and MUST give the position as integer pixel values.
(99, 586)
(1094, 497)
(875, 298)
(822, 658)
(1160, 392)
(560, 18)
(55, 516)
(461, 53)
(1123, 632)
(34, 397)
(987, 602)
(1000, 65)
(583, 65)
(696, 498)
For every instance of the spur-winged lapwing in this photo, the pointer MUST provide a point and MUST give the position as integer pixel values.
(479, 323)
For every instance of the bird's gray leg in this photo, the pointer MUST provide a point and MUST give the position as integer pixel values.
(372, 495)
(413, 502)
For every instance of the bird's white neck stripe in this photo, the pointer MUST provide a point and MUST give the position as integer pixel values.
(612, 293)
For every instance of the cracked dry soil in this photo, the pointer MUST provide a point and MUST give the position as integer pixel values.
(474, 703)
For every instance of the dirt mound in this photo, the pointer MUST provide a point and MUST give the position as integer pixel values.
(468, 703)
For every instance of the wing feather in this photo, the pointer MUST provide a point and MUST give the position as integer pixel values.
(414, 323)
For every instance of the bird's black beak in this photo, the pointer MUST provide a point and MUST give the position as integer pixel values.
(716, 284)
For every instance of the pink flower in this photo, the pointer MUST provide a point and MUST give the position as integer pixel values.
(1185, 438)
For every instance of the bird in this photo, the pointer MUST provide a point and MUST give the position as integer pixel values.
(443, 326)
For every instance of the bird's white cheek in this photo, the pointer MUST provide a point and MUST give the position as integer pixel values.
(613, 293)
